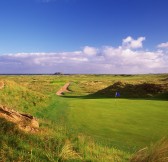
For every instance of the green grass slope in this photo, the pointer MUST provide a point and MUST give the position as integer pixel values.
(21, 98)
(53, 142)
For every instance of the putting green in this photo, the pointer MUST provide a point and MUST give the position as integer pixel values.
(122, 122)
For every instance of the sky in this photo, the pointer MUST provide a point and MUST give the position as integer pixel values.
(84, 36)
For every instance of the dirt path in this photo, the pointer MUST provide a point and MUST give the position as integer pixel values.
(63, 89)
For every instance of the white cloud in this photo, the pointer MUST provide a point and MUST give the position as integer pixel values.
(129, 42)
(163, 45)
(90, 51)
(106, 59)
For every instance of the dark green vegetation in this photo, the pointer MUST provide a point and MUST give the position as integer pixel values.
(87, 124)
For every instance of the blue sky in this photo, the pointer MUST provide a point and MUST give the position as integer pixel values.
(40, 30)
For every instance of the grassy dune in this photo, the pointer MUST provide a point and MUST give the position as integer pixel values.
(83, 125)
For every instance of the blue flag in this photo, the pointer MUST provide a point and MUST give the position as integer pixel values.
(117, 94)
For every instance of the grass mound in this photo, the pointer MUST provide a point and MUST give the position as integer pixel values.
(128, 90)
(20, 98)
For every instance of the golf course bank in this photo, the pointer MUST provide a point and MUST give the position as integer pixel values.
(88, 121)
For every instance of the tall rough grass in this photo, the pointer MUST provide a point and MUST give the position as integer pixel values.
(94, 151)
(52, 144)
(67, 152)
(155, 153)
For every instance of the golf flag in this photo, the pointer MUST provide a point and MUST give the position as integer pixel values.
(117, 94)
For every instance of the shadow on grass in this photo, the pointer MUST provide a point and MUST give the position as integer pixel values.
(92, 96)
(145, 91)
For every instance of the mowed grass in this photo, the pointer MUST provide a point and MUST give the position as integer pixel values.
(125, 123)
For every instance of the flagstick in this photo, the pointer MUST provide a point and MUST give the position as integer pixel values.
(115, 97)
(115, 100)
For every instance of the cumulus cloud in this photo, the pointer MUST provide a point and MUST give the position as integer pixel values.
(129, 42)
(163, 45)
(107, 59)
(90, 51)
